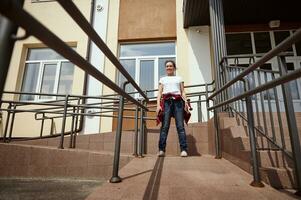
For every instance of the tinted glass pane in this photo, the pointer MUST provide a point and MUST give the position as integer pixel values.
(66, 78)
(48, 80)
(161, 66)
(239, 43)
(262, 42)
(147, 75)
(293, 84)
(129, 65)
(280, 36)
(267, 77)
(30, 80)
(43, 54)
(150, 49)
(266, 66)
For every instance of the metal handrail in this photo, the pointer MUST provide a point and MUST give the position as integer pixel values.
(56, 107)
(80, 19)
(269, 55)
(33, 27)
(278, 81)
(245, 77)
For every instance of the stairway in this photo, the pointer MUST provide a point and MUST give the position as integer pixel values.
(93, 156)
(197, 139)
(276, 168)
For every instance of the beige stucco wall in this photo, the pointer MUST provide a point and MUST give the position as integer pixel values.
(147, 20)
(52, 15)
(109, 69)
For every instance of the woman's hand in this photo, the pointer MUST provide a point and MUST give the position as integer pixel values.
(186, 106)
(158, 109)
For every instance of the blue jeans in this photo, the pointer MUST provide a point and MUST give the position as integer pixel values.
(173, 108)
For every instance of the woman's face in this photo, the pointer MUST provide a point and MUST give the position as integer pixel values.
(170, 69)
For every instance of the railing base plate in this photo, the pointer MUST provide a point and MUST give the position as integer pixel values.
(257, 184)
(115, 179)
(298, 193)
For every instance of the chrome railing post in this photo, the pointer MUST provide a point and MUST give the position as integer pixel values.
(76, 123)
(115, 177)
(42, 125)
(7, 122)
(199, 109)
(218, 153)
(141, 130)
(61, 146)
(144, 129)
(254, 157)
(72, 128)
(207, 102)
(12, 123)
(136, 132)
(51, 127)
(291, 122)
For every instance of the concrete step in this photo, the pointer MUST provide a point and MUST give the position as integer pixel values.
(262, 143)
(279, 178)
(196, 135)
(20, 160)
(236, 149)
(239, 147)
(275, 159)
(197, 139)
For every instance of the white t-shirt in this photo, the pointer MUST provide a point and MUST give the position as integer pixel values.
(171, 84)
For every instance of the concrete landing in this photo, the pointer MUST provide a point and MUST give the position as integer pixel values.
(184, 178)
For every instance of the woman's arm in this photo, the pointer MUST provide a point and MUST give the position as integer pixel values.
(183, 94)
(160, 90)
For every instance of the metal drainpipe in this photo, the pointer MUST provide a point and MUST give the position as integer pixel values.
(88, 57)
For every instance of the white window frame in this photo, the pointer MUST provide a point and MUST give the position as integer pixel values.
(156, 64)
(58, 62)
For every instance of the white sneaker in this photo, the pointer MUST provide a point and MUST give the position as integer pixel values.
(161, 154)
(183, 154)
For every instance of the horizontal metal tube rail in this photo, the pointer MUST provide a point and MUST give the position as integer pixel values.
(252, 56)
(260, 70)
(155, 90)
(33, 27)
(269, 55)
(273, 83)
(60, 95)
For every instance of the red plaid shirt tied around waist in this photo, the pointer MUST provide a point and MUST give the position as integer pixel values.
(175, 97)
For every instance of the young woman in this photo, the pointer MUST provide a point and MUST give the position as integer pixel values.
(172, 104)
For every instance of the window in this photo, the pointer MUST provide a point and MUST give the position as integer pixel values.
(145, 63)
(280, 36)
(46, 72)
(239, 43)
(262, 42)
